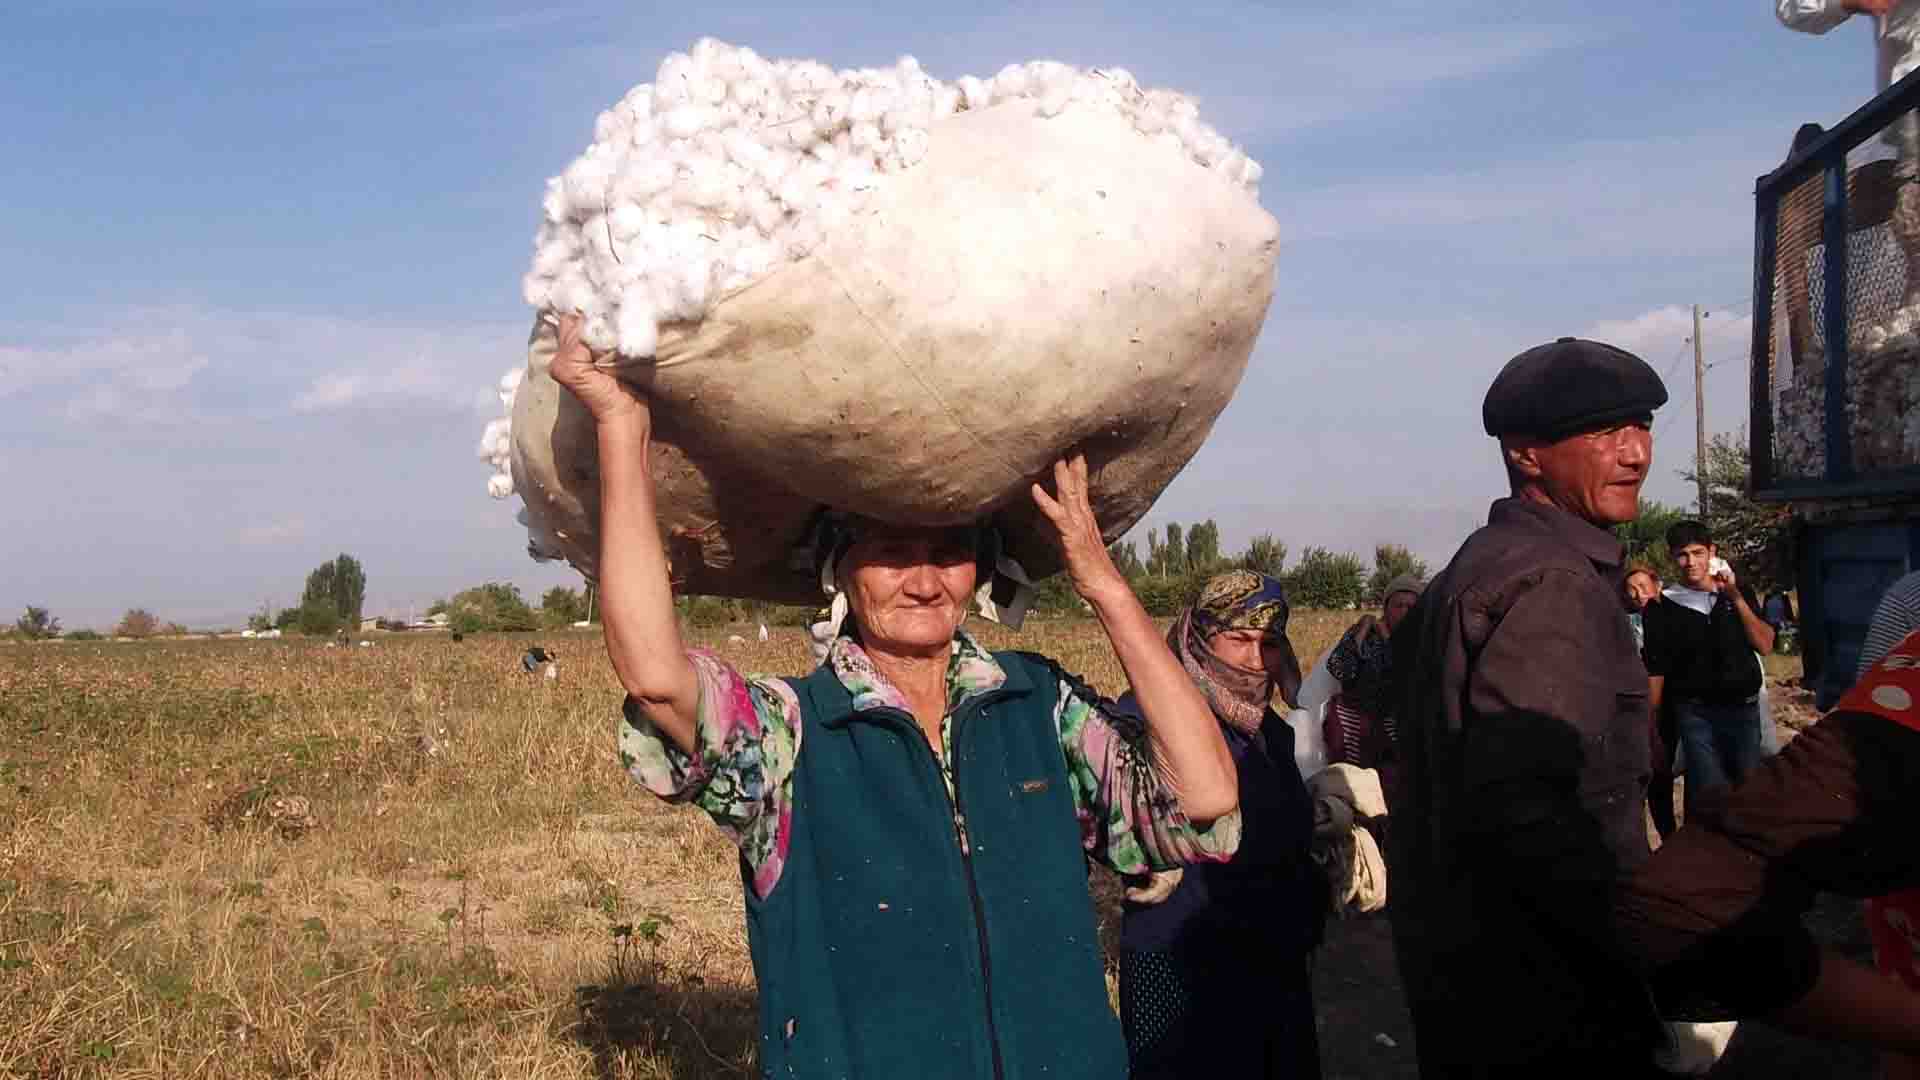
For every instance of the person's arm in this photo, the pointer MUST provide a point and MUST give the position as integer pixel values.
(636, 599)
(1656, 693)
(1129, 821)
(1759, 633)
(1814, 16)
(1714, 912)
(1896, 616)
(1536, 757)
(1850, 1002)
(1185, 738)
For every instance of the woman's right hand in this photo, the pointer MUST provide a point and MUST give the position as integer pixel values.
(576, 367)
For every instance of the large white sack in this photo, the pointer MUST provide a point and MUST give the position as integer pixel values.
(1035, 285)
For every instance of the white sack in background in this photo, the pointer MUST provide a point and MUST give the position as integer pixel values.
(888, 295)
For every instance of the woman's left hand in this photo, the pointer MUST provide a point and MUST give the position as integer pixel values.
(1076, 532)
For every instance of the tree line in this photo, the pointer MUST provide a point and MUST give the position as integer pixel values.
(1180, 559)
(1756, 537)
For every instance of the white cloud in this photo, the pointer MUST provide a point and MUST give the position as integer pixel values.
(162, 368)
(416, 384)
(124, 374)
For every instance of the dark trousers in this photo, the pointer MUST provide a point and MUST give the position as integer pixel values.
(1665, 741)
(1722, 743)
(1218, 1012)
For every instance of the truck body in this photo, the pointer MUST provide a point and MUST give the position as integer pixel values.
(1835, 405)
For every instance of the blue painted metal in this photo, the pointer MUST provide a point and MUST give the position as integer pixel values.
(1844, 570)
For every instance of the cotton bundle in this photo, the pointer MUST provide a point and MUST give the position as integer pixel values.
(883, 293)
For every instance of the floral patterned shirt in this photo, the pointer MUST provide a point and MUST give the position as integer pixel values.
(747, 741)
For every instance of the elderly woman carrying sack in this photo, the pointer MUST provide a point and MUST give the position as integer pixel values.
(1214, 974)
(911, 816)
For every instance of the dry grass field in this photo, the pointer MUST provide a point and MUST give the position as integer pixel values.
(275, 858)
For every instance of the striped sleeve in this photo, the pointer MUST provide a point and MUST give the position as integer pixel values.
(1897, 616)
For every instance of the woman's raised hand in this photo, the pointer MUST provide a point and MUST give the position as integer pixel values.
(576, 367)
(1076, 532)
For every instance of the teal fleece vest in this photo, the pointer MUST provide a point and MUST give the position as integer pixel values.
(885, 952)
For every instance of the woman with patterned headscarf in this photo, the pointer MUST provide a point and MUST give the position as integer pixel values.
(1214, 974)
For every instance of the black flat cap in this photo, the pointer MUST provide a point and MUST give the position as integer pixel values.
(1570, 386)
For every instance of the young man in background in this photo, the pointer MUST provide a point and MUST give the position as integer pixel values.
(1700, 655)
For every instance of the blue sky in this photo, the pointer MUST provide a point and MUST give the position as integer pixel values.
(261, 261)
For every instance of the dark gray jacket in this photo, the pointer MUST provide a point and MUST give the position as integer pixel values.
(1517, 810)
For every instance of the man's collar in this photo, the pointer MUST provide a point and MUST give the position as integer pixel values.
(1599, 546)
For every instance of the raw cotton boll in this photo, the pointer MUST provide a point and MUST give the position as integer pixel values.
(639, 102)
(643, 134)
(554, 208)
(500, 485)
(626, 221)
(587, 180)
(1010, 83)
(497, 436)
(745, 151)
(946, 102)
(752, 260)
(830, 113)
(710, 90)
(864, 138)
(864, 107)
(809, 79)
(673, 81)
(686, 121)
(709, 190)
(975, 93)
(748, 92)
(637, 330)
(796, 194)
(1253, 173)
(774, 167)
(1055, 101)
(610, 125)
(1213, 148)
(1148, 122)
(537, 291)
(571, 291)
(842, 144)
(648, 178)
(802, 237)
(911, 146)
(598, 333)
(765, 214)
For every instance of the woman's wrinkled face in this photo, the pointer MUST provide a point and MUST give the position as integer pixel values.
(1397, 607)
(908, 589)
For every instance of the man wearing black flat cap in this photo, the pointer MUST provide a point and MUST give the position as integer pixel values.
(1523, 742)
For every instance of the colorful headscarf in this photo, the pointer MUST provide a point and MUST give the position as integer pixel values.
(1003, 594)
(1238, 600)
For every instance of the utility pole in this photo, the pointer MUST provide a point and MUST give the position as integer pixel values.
(1699, 411)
